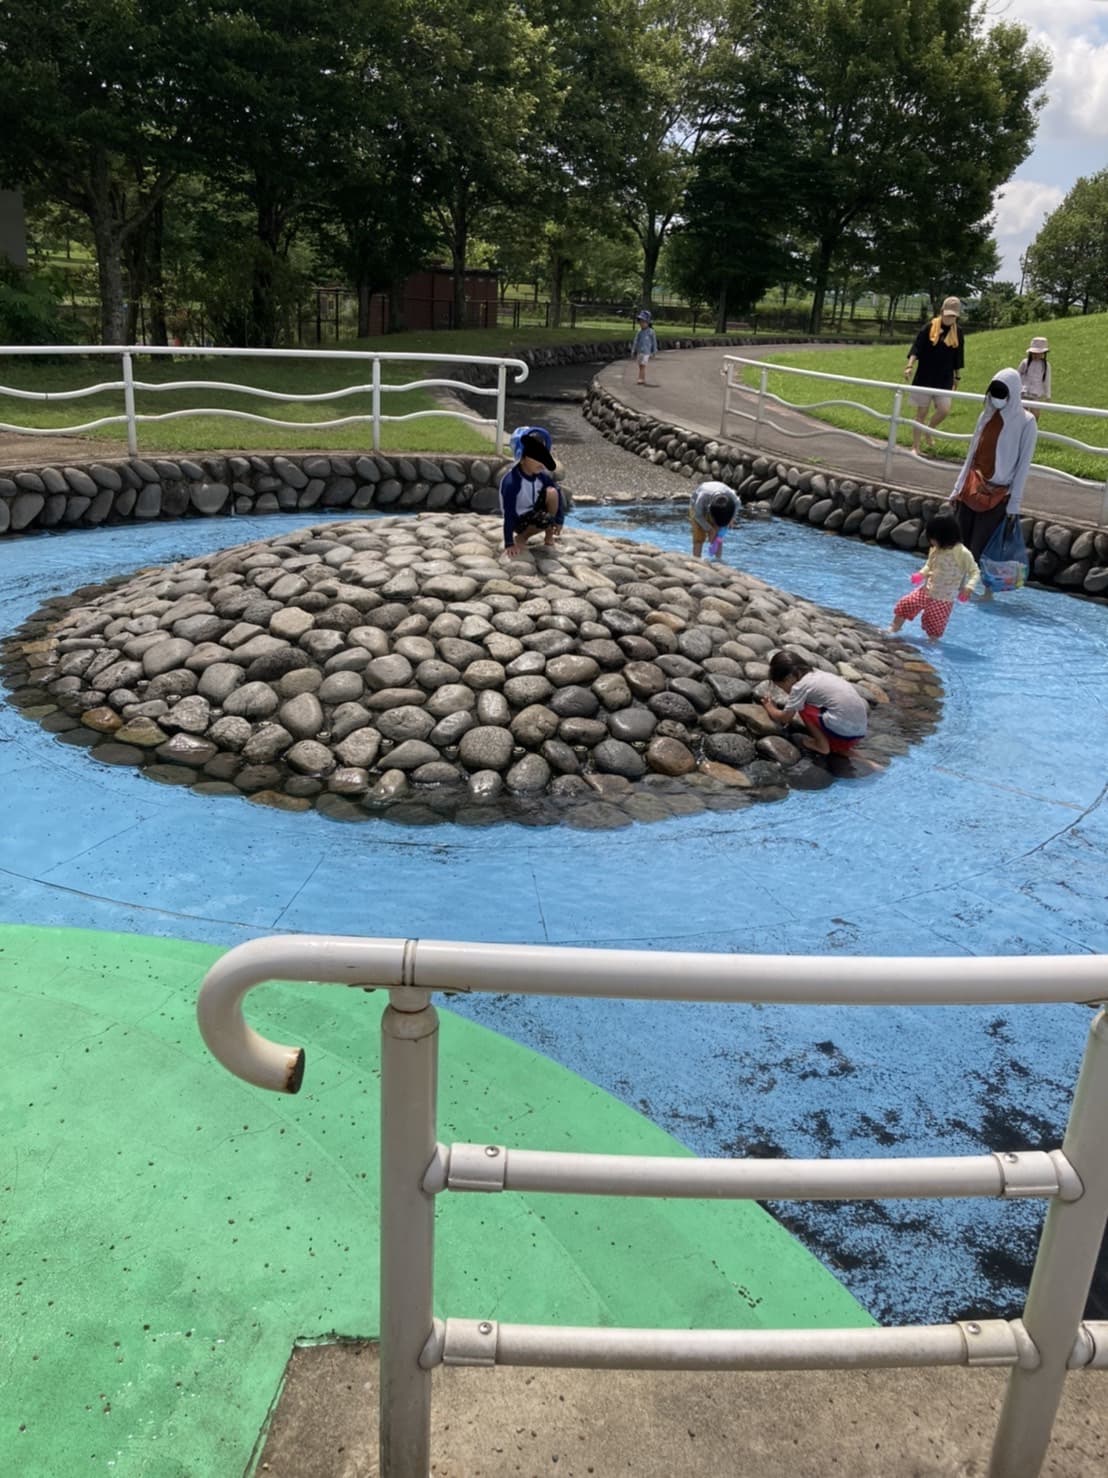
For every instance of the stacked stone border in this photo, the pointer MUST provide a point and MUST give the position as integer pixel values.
(1066, 556)
(138, 489)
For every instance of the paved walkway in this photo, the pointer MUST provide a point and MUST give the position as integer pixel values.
(520, 1423)
(686, 387)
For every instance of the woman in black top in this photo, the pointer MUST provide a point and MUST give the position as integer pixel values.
(937, 356)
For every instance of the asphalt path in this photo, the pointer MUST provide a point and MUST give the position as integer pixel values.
(685, 387)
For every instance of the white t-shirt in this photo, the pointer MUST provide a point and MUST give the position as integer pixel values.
(842, 707)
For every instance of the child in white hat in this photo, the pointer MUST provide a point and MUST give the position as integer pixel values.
(1034, 373)
(645, 344)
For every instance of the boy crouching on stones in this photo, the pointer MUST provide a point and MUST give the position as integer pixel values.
(530, 499)
(832, 710)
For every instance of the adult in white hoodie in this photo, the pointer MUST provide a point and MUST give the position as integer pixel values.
(999, 456)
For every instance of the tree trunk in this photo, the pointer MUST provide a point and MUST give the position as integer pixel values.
(397, 322)
(459, 240)
(558, 265)
(159, 329)
(109, 272)
(364, 298)
(262, 328)
(819, 290)
(721, 309)
(651, 250)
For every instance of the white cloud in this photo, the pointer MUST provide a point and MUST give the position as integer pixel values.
(1076, 34)
(1022, 204)
(1078, 89)
(1061, 17)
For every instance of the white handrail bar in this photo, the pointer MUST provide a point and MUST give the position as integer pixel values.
(537, 969)
(763, 395)
(1013, 1175)
(199, 352)
(567, 1346)
(971, 1343)
(788, 369)
(1050, 1340)
(129, 385)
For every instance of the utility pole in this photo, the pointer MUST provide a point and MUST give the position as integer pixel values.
(1023, 271)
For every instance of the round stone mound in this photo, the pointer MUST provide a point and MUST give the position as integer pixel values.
(401, 667)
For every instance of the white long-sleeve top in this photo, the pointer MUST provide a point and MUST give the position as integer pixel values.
(1015, 446)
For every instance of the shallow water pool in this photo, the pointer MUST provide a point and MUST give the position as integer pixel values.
(990, 837)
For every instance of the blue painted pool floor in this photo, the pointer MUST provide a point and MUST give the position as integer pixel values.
(990, 837)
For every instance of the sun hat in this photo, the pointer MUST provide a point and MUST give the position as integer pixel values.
(535, 447)
(642, 316)
(952, 305)
(1038, 345)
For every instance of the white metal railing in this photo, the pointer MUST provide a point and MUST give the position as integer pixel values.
(764, 398)
(1039, 1348)
(375, 387)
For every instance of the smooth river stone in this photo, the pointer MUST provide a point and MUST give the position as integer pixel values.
(486, 748)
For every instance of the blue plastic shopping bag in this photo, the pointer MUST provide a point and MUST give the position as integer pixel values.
(1004, 559)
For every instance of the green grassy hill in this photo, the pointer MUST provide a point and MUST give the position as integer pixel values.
(1079, 369)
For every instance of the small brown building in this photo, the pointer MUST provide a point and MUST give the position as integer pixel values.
(428, 301)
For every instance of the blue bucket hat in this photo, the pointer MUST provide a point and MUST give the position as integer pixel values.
(533, 441)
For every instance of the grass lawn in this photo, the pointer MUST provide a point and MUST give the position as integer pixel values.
(1080, 377)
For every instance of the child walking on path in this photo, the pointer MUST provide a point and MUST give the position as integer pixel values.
(645, 344)
(530, 499)
(1034, 373)
(949, 574)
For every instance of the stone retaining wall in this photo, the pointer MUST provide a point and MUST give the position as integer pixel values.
(184, 487)
(1068, 556)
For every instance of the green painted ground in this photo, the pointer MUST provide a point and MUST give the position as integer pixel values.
(168, 1232)
(1079, 372)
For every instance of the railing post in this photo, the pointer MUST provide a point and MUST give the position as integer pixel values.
(728, 370)
(409, 1078)
(129, 406)
(501, 397)
(376, 404)
(1063, 1272)
(763, 382)
(894, 427)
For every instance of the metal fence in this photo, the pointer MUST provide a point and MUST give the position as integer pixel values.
(375, 387)
(1049, 1340)
(737, 399)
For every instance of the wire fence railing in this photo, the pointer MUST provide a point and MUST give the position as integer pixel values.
(1040, 1348)
(753, 404)
(376, 387)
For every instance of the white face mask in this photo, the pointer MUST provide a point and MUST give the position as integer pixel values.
(998, 402)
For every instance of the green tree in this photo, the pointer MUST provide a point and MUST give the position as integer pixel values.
(1068, 260)
(284, 81)
(482, 89)
(97, 111)
(663, 64)
(897, 111)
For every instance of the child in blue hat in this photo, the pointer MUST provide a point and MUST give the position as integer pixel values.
(645, 344)
(530, 499)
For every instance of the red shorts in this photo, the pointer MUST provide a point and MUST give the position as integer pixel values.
(837, 743)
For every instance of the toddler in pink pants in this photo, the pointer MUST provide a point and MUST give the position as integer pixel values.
(949, 574)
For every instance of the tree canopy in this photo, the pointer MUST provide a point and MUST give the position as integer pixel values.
(234, 151)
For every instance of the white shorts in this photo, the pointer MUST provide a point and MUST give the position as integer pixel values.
(921, 396)
(644, 360)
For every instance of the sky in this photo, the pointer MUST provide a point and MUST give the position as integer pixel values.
(1072, 139)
